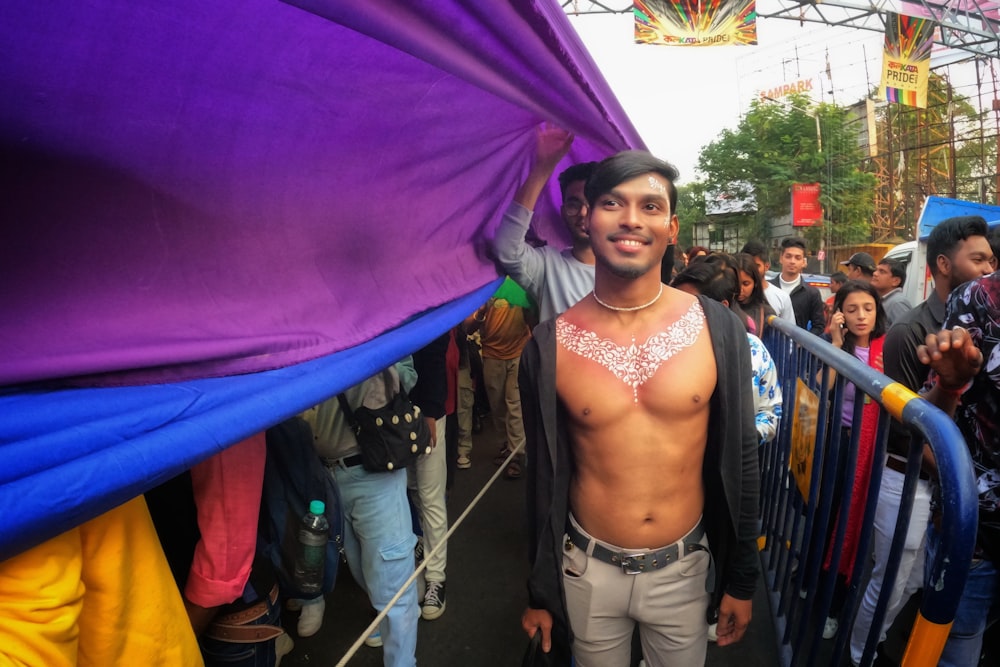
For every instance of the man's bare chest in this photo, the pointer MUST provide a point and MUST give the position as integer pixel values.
(634, 363)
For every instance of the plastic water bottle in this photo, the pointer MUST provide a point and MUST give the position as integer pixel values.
(310, 555)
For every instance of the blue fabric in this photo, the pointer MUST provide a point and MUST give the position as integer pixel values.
(69, 455)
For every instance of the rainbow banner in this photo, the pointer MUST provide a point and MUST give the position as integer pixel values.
(906, 60)
(696, 22)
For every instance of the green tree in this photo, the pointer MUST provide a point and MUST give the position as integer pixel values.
(690, 209)
(777, 144)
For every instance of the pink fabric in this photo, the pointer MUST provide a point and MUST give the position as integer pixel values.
(227, 490)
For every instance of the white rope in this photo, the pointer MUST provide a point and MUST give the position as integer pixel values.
(420, 570)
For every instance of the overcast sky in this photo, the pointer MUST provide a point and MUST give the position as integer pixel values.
(681, 98)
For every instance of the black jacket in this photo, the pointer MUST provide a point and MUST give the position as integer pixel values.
(807, 303)
(730, 470)
(431, 391)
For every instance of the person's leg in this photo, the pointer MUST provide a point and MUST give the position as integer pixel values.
(513, 423)
(464, 408)
(909, 576)
(451, 450)
(980, 594)
(597, 599)
(431, 473)
(494, 379)
(377, 510)
(670, 605)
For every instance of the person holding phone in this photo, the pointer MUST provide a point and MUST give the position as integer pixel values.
(857, 326)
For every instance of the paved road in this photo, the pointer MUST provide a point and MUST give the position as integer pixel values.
(487, 566)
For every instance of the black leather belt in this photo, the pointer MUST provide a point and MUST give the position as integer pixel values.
(346, 462)
(634, 561)
(892, 463)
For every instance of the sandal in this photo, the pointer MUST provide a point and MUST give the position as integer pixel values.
(513, 470)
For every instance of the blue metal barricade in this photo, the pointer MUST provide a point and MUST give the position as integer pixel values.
(807, 484)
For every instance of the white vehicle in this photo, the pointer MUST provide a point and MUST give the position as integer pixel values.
(913, 254)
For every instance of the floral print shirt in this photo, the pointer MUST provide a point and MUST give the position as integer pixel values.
(766, 390)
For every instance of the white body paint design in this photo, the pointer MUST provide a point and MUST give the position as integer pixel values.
(657, 185)
(634, 364)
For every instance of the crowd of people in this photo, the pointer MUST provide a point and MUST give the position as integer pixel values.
(642, 491)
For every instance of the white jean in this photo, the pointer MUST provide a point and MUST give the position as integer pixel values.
(669, 604)
(429, 476)
(910, 576)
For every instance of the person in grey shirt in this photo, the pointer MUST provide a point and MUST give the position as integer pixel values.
(888, 280)
(555, 279)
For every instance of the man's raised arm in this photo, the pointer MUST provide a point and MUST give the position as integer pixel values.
(513, 253)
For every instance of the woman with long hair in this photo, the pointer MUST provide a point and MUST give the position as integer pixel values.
(751, 297)
(857, 326)
(715, 277)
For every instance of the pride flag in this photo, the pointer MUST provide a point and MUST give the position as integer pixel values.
(906, 59)
(695, 22)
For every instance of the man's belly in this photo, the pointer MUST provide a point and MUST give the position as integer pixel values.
(633, 519)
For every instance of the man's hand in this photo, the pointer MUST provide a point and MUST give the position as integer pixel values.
(552, 144)
(734, 617)
(953, 355)
(533, 620)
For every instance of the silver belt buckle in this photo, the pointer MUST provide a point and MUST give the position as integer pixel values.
(633, 563)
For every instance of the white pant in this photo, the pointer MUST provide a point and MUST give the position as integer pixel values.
(910, 575)
(429, 476)
(669, 604)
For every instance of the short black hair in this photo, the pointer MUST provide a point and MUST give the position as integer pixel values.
(615, 170)
(758, 250)
(717, 277)
(839, 276)
(580, 171)
(948, 233)
(897, 269)
(793, 242)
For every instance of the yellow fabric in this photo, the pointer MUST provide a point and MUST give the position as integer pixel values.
(96, 596)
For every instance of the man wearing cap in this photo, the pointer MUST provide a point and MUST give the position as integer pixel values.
(860, 266)
(888, 281)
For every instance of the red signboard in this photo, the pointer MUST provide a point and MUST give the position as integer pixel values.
(806, 211)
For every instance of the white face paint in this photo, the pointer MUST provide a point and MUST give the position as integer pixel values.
(658, 185)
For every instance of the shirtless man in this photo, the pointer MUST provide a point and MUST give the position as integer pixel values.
(642, 452)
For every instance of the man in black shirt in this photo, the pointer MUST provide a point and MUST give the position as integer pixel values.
(806, 300)
(957, 251)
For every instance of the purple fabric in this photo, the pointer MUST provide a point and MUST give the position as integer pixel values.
(196, 189)
(221, 213)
